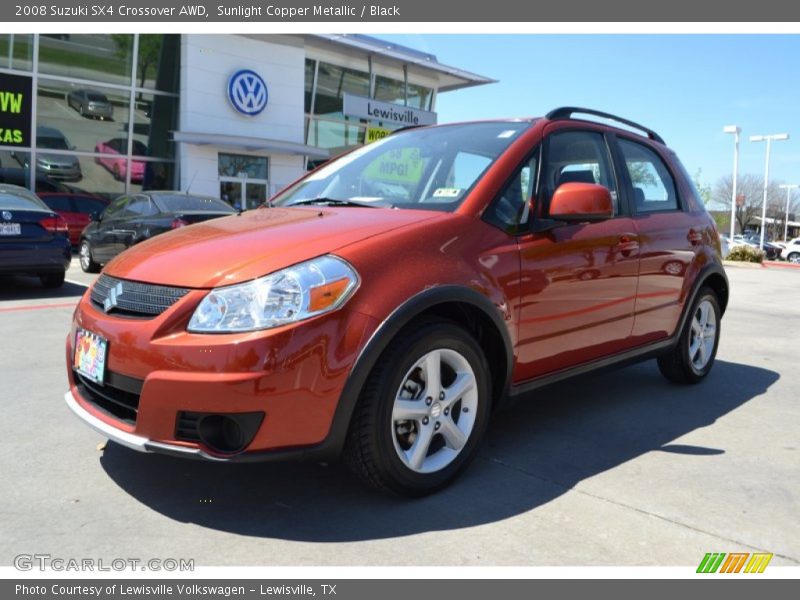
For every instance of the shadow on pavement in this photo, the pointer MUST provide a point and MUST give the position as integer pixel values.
(532, 454)
(21, 287)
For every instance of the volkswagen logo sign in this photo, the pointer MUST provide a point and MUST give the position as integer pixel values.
(247, 92)
(7, 215)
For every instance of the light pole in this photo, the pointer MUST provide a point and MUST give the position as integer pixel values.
(788, 187)
(778, 137)
(736, 131)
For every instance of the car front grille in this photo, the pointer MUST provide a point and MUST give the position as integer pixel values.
(118, 396)
(132, 298)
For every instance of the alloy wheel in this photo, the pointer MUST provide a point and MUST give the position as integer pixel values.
(434, 411)
(703, 335)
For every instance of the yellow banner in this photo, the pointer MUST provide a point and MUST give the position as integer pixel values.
(376, 133)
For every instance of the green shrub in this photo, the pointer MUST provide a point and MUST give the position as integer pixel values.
(746, 253)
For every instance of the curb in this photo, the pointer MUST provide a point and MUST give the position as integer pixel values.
(743, 264)
(781, 265)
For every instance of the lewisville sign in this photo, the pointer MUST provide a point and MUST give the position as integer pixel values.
(386, 112)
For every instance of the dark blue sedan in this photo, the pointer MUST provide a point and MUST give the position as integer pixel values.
(33, 239)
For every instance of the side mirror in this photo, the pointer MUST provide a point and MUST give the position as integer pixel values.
(581, 202)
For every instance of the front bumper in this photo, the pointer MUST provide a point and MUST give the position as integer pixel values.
(294, 375)
(131, 440)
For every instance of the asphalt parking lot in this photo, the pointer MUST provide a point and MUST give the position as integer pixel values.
(620, 468)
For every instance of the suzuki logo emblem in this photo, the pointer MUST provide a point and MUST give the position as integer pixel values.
(7, 215)
(110, 302)
(247, 92)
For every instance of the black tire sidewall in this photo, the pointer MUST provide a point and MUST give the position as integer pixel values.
(440, 336)
(91, 266)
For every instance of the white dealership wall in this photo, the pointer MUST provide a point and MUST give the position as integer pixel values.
(207, 62)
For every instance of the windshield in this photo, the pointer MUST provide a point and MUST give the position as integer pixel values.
(14, 201)
(183, 203)
(431, 168)
(52, 143)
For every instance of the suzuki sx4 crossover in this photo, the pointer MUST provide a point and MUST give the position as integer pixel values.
(383, 306)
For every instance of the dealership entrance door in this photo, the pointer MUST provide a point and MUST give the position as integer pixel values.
(243, 180)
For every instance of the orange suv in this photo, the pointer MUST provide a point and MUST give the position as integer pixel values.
(384, 305)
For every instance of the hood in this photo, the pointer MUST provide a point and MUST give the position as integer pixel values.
(56, 160)
(238, 248)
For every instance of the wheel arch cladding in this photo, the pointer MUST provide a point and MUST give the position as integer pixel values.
(717, 282)
(462, 305)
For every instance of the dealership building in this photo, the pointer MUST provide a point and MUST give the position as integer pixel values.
(234, 116)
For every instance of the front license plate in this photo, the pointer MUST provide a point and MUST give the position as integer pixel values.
(10, 229)
(90, 355)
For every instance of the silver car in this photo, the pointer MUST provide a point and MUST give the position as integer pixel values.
(90, 103)
(54, 166)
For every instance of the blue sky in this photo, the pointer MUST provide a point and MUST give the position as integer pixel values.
(686, 87)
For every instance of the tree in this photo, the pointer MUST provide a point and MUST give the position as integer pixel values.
(149, 51)
(750, 188)
(703, 189)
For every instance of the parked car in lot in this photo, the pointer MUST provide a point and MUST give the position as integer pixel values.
(382, 307)
(90, 103)
(53, 166)
(771, 251)
(43, 183)
(791, 251)
(33, 238)
(134, 218)
(118, 165)
(76, 209)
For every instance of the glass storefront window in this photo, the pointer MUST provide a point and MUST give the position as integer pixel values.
(85, 115)
(16, 51)
(243, 166)
(157, 64)
(154, 116)
(419, 96)
(155, 175)
(332, 83)
(310, 64)
(99, 57)
(334, 135)
(389, 90)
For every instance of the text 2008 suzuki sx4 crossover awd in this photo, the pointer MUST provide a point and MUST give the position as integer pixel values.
(384, 305)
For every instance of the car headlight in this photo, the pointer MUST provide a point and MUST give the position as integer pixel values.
(287, 296)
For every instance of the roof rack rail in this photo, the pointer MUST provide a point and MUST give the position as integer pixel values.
(566, 112)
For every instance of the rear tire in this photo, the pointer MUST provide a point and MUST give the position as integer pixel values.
(52, 280)
(693, 356)
(412, 432)
(87, 262)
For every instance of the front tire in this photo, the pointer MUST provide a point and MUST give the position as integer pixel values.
(422, 412)
(692, 358)
(794, 257)
(87, 262)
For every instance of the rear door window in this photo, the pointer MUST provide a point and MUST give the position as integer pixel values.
(653, 187)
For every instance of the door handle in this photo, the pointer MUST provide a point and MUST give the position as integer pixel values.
(627, 244)
(694, 237)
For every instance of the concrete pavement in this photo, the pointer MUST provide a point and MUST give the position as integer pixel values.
(620, 468)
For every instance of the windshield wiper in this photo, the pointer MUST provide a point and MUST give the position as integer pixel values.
(334, 202)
